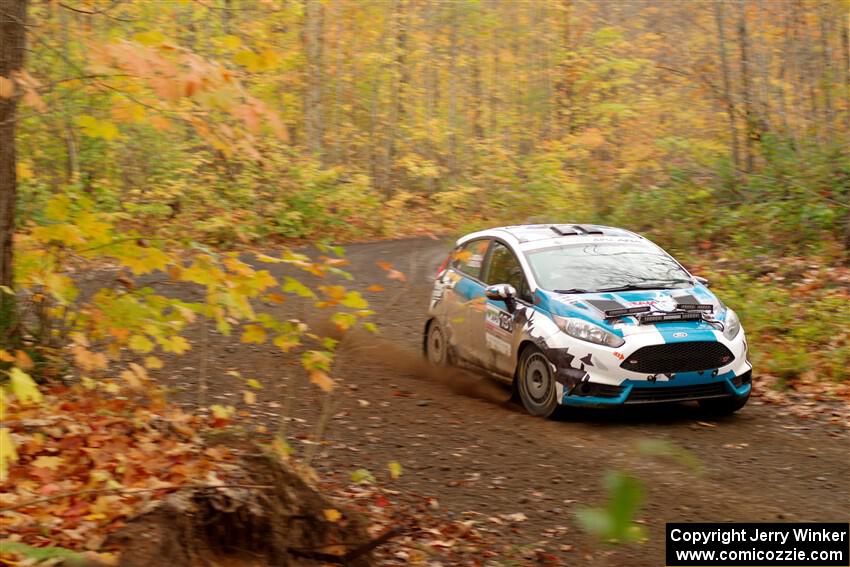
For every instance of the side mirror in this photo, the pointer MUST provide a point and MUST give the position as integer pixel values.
(702, 280)
(502, 292)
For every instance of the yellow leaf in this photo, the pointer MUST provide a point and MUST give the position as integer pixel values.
(395, 469)
(140, 343)
(231, 41)
(292, 285)
(254, 334)
(332, 514)
(45, 462)
(286, 342)
(247, 59)
(354, 300)
(281, 447)
(153, 362)
(222, 412)
(24, 170)
(23, 387)
(322, 380)
(175, 344)
(249, 397)
(5, 356)
(254, 384)
(57, 208)
(149, 38)
(8, 454)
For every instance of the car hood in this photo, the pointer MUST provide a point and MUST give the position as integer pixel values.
(592, 306)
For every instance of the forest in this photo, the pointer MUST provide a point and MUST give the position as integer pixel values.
(179, 178)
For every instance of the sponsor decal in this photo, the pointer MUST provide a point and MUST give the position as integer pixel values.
(619, 356)
(498, 320)
(666, 304)
(680, 335)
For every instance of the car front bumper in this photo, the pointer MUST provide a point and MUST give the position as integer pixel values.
(687, 386)
(598, 376)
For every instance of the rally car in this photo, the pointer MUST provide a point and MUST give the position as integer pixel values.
(585, 315)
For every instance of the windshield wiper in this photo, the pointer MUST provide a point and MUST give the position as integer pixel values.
(574, 290)
(661, 284)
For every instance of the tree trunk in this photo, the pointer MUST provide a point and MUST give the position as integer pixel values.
(727, 86)
(845, 41)
(454, 74)
(477, 92)
(828, 79)
(313, 100)
(402, 80)
(564, 84)
(752, 131)
(13, 14)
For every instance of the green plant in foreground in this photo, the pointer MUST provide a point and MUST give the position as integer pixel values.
(615, 522)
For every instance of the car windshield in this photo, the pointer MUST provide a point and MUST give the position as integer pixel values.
(607, 266)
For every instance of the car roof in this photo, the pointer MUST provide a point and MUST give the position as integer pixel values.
(537, 235)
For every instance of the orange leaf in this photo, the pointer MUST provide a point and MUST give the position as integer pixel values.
(396, 275)
(23, 360)
(375, 287)
(322, 380)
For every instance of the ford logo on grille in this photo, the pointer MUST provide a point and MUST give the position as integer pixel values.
(680, 335)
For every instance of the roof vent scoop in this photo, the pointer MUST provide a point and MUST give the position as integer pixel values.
(588, 229)
(565, 229)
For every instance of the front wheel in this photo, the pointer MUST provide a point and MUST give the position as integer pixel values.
(724, 406)
(536, 383)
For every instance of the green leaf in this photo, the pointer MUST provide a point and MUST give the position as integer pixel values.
(614, 522)
(40, 554)
(665, 448)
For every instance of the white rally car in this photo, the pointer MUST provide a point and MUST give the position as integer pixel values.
(585, 315)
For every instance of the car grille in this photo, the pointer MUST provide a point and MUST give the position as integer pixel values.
(676, 393)
(678, 357)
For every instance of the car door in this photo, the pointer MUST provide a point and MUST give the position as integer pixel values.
(463, 294)
(494, 332)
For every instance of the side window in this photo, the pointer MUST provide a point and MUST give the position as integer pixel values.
(470, 257)
(503, 267)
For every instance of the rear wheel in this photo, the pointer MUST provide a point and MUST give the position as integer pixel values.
(536, 383)
(436, 346)
(723, 406)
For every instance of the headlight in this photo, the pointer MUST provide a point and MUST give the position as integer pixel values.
(731, 325)
(588, 332)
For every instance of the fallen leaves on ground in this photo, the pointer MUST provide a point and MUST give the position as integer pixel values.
(87, 461)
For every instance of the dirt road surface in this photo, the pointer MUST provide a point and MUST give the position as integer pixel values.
(463, 443)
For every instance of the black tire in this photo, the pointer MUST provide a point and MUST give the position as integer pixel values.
(436, 345)
(723, 406)
(536, 383)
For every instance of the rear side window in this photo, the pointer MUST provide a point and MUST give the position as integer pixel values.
(470, 257)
